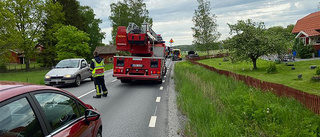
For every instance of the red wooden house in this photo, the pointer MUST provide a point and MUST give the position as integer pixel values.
(308, 29)
(17, 56)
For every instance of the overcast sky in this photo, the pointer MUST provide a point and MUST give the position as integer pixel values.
(173, 19)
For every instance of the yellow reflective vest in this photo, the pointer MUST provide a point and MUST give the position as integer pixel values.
(98, 68)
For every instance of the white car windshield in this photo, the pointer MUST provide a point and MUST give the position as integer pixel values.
(68, 64)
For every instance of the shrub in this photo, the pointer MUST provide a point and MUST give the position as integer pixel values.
(272, 68)
(318, 71)
(3, 67)
(305, 52)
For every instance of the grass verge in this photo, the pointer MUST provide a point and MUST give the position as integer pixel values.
(285, 74)
(35, 77)
(108, 66)
(219, 106)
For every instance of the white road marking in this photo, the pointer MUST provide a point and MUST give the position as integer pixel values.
(153, 121)
(161, 88)
(165, 76)
(158, 99)
(163, 81)
(114, 80)
(86, 93)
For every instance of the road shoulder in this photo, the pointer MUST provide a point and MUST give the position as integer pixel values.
(176, 120)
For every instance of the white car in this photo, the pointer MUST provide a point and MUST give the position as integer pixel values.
(68, 71)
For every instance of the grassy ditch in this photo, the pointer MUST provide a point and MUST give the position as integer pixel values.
(285, 75)
(219, 106)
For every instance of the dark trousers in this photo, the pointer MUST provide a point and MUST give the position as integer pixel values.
(100, 85)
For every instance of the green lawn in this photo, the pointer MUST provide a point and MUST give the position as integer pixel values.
(35, 77)
(218, 106)
(284, 76)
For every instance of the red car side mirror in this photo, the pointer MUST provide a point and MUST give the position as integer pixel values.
(91, 115)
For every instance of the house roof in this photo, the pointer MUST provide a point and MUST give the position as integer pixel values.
(106, 49)
(309, 24)
(308, 33)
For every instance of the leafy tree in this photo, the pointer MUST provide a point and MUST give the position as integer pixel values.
(205, 27)
(29, 16)
(128, 11)
(73, 17)
(54, 20)
(9, 37)
(72, 43)
(249, 42)
(280, 39)
(92, 24)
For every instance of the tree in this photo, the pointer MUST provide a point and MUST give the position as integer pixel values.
(280, 39)
(28, 16)
(72, 43)
(54, 20)
(128, 11)
(73, 17)
(205, 32)
(9, 37)
(92, 24)
(249, 42)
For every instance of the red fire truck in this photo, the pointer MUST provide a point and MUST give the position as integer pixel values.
(147, 59)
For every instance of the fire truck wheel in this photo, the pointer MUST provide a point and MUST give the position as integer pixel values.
(164, 71)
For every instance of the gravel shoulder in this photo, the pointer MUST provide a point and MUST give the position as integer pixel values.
(176, 120)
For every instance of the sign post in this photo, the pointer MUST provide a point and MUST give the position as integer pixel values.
(171, 41)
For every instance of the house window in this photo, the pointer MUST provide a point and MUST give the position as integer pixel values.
(318, 40)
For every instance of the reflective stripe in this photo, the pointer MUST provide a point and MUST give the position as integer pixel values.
(98, 68)
(98, 90)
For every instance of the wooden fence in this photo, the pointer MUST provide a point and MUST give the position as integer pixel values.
(311, 101)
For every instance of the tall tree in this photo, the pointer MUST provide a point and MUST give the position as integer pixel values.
(9, 36)
(72, 43)
(71, 9)
(250, 42)
(93, 30)
(128, 11)
(54, 20)
(29, 16)
(205, 32)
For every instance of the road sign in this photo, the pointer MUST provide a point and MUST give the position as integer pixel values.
(171, 41)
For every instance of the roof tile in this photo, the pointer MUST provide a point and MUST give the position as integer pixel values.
(309, 23)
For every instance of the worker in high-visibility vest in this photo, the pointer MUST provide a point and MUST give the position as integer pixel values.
(97, 68)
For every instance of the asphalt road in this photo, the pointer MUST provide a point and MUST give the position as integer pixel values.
(137, 109)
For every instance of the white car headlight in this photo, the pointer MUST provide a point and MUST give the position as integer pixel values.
(67, 76)
(47, 76)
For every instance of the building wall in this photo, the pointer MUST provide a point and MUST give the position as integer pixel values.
(14, 57)
(108, 58)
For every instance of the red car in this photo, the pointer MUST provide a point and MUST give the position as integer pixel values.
(34, 110)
